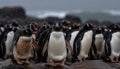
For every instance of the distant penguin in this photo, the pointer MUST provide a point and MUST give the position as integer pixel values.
(85, 41)
(57, 46)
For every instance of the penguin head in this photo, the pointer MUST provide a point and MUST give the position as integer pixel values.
(57, 26)
(75, 26)
(89, 26)
(66, 22)
(114, 27)
(33, 27)
(8, 27)
(99, 29)
(27, 31)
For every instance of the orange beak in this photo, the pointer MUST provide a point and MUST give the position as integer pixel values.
(68, 22)
(35, 29)
(35, 32)
(65, 27)
(94, 26)
(78, 24)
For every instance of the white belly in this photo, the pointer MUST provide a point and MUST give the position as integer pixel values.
(85, 44)
(115, 44)
(9, 41)
(99, 43)
(57, 47)
(73, 35)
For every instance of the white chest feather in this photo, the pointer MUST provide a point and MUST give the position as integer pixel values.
(86, 44)
(73, 35)
(99, 43)
(115, 44)
(9, 41)
(57, 46)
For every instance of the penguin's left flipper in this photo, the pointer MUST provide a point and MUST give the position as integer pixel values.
(70, 50)
(45, 48)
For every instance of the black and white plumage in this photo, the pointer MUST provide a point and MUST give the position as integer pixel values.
(57, 46)
(113, 43)
(98, 43)
(83, 42)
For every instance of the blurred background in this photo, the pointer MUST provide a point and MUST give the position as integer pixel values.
(101, 10)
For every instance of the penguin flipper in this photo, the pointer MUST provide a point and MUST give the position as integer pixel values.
(45, 48)
(69, 46)
(35, 44)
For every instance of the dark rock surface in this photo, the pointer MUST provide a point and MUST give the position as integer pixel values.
(88, 64)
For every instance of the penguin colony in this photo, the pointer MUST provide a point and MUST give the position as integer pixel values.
(63, 41)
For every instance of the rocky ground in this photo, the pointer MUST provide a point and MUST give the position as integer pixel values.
(88, 64)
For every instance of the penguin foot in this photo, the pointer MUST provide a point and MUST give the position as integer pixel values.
(27, 62)
(112, 60)
(81, 59)
(62, 64)
(19, 62)
(53, 63)
(117, 60)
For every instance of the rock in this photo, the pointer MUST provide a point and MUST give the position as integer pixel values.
(91, 64)
(115, 65)
(88, 64)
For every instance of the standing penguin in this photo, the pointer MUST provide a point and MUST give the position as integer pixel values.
(114, 43)
(98, 42)
(57, 46)
(74, 32)
(84, 38)
(8, 39)
(23, 42)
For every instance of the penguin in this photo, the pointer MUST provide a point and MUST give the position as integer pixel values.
(98, 43)
(42, 37)
(2, 44)
(7, 40)
(57, 46)
(114, 43)
(22, 49)
(83, 42)
(74, 31)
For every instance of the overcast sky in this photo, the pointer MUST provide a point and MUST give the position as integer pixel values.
(89, 5)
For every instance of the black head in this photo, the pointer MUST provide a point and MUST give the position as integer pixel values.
(66, 22)
(89, 26)
(27, 31)
(75, 26)
(114, 27)
(57, 26)
(14, 23)
(8, 27)
(99, 29)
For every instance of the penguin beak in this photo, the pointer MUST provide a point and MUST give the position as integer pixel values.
(78, 24)
(94, 26)
(65, 27)
(68, 22)
(36, 29)
(35, 32)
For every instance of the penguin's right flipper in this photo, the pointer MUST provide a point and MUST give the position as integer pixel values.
(45, 48)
